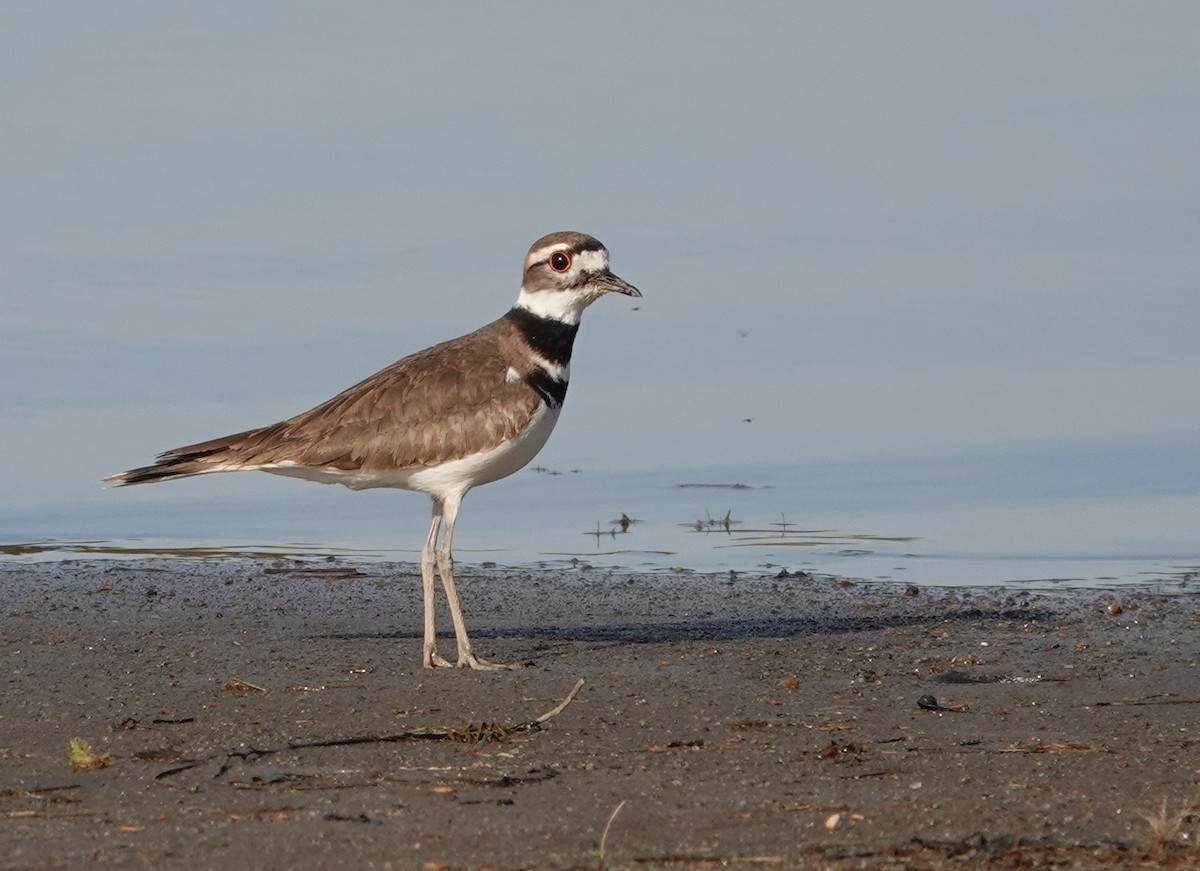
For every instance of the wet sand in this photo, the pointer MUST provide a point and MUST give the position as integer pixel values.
(261, 713)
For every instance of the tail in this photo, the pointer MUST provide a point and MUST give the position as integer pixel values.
(211, 456)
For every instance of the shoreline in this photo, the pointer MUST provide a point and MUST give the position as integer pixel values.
(265, 708)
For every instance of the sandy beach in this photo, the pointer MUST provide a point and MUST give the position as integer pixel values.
(265, 713)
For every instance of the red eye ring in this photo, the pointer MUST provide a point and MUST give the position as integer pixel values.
(560, 261)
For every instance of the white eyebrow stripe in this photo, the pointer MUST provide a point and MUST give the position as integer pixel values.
(589, 260)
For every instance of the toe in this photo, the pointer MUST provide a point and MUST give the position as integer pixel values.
(470, 660)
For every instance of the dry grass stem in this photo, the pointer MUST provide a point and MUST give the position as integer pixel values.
(607, 826)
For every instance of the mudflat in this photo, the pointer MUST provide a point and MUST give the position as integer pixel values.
(274, 714)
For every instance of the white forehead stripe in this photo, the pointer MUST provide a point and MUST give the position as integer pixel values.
(592, 261)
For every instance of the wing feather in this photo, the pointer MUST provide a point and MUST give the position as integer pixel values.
(447, 401)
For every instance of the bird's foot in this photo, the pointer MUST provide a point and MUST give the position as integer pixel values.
(470, 660)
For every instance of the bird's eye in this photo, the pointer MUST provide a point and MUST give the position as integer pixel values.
(560, 261)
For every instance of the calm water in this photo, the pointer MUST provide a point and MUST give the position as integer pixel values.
(1036, 517)
(922, 281)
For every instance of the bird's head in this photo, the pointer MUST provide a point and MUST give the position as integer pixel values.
(566, 272)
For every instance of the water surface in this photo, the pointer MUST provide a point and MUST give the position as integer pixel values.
(923, 280)
(1038, 518)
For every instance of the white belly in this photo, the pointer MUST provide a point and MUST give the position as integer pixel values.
(454, 476)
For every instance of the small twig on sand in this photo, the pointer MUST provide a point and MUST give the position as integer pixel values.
(559, 708)
(611, 817)
(237, 685)
(468, 735)
(534, 725)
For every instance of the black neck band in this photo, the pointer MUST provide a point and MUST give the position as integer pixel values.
(550, 339)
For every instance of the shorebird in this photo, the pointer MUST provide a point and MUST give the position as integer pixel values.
(441, 421)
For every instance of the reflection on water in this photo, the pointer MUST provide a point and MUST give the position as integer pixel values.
(1055, 515)
(58, 550)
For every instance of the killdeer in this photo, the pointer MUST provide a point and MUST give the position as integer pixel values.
(466, 412)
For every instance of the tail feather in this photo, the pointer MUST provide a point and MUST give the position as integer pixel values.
(211, 456)
(182, 467)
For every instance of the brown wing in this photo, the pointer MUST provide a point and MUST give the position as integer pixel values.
(447, 401)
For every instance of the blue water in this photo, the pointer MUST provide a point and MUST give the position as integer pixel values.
(923, 280)
(1035, 517)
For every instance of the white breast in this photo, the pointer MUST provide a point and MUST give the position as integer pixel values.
(487, 466)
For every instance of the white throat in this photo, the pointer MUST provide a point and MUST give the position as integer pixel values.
(558, 305)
